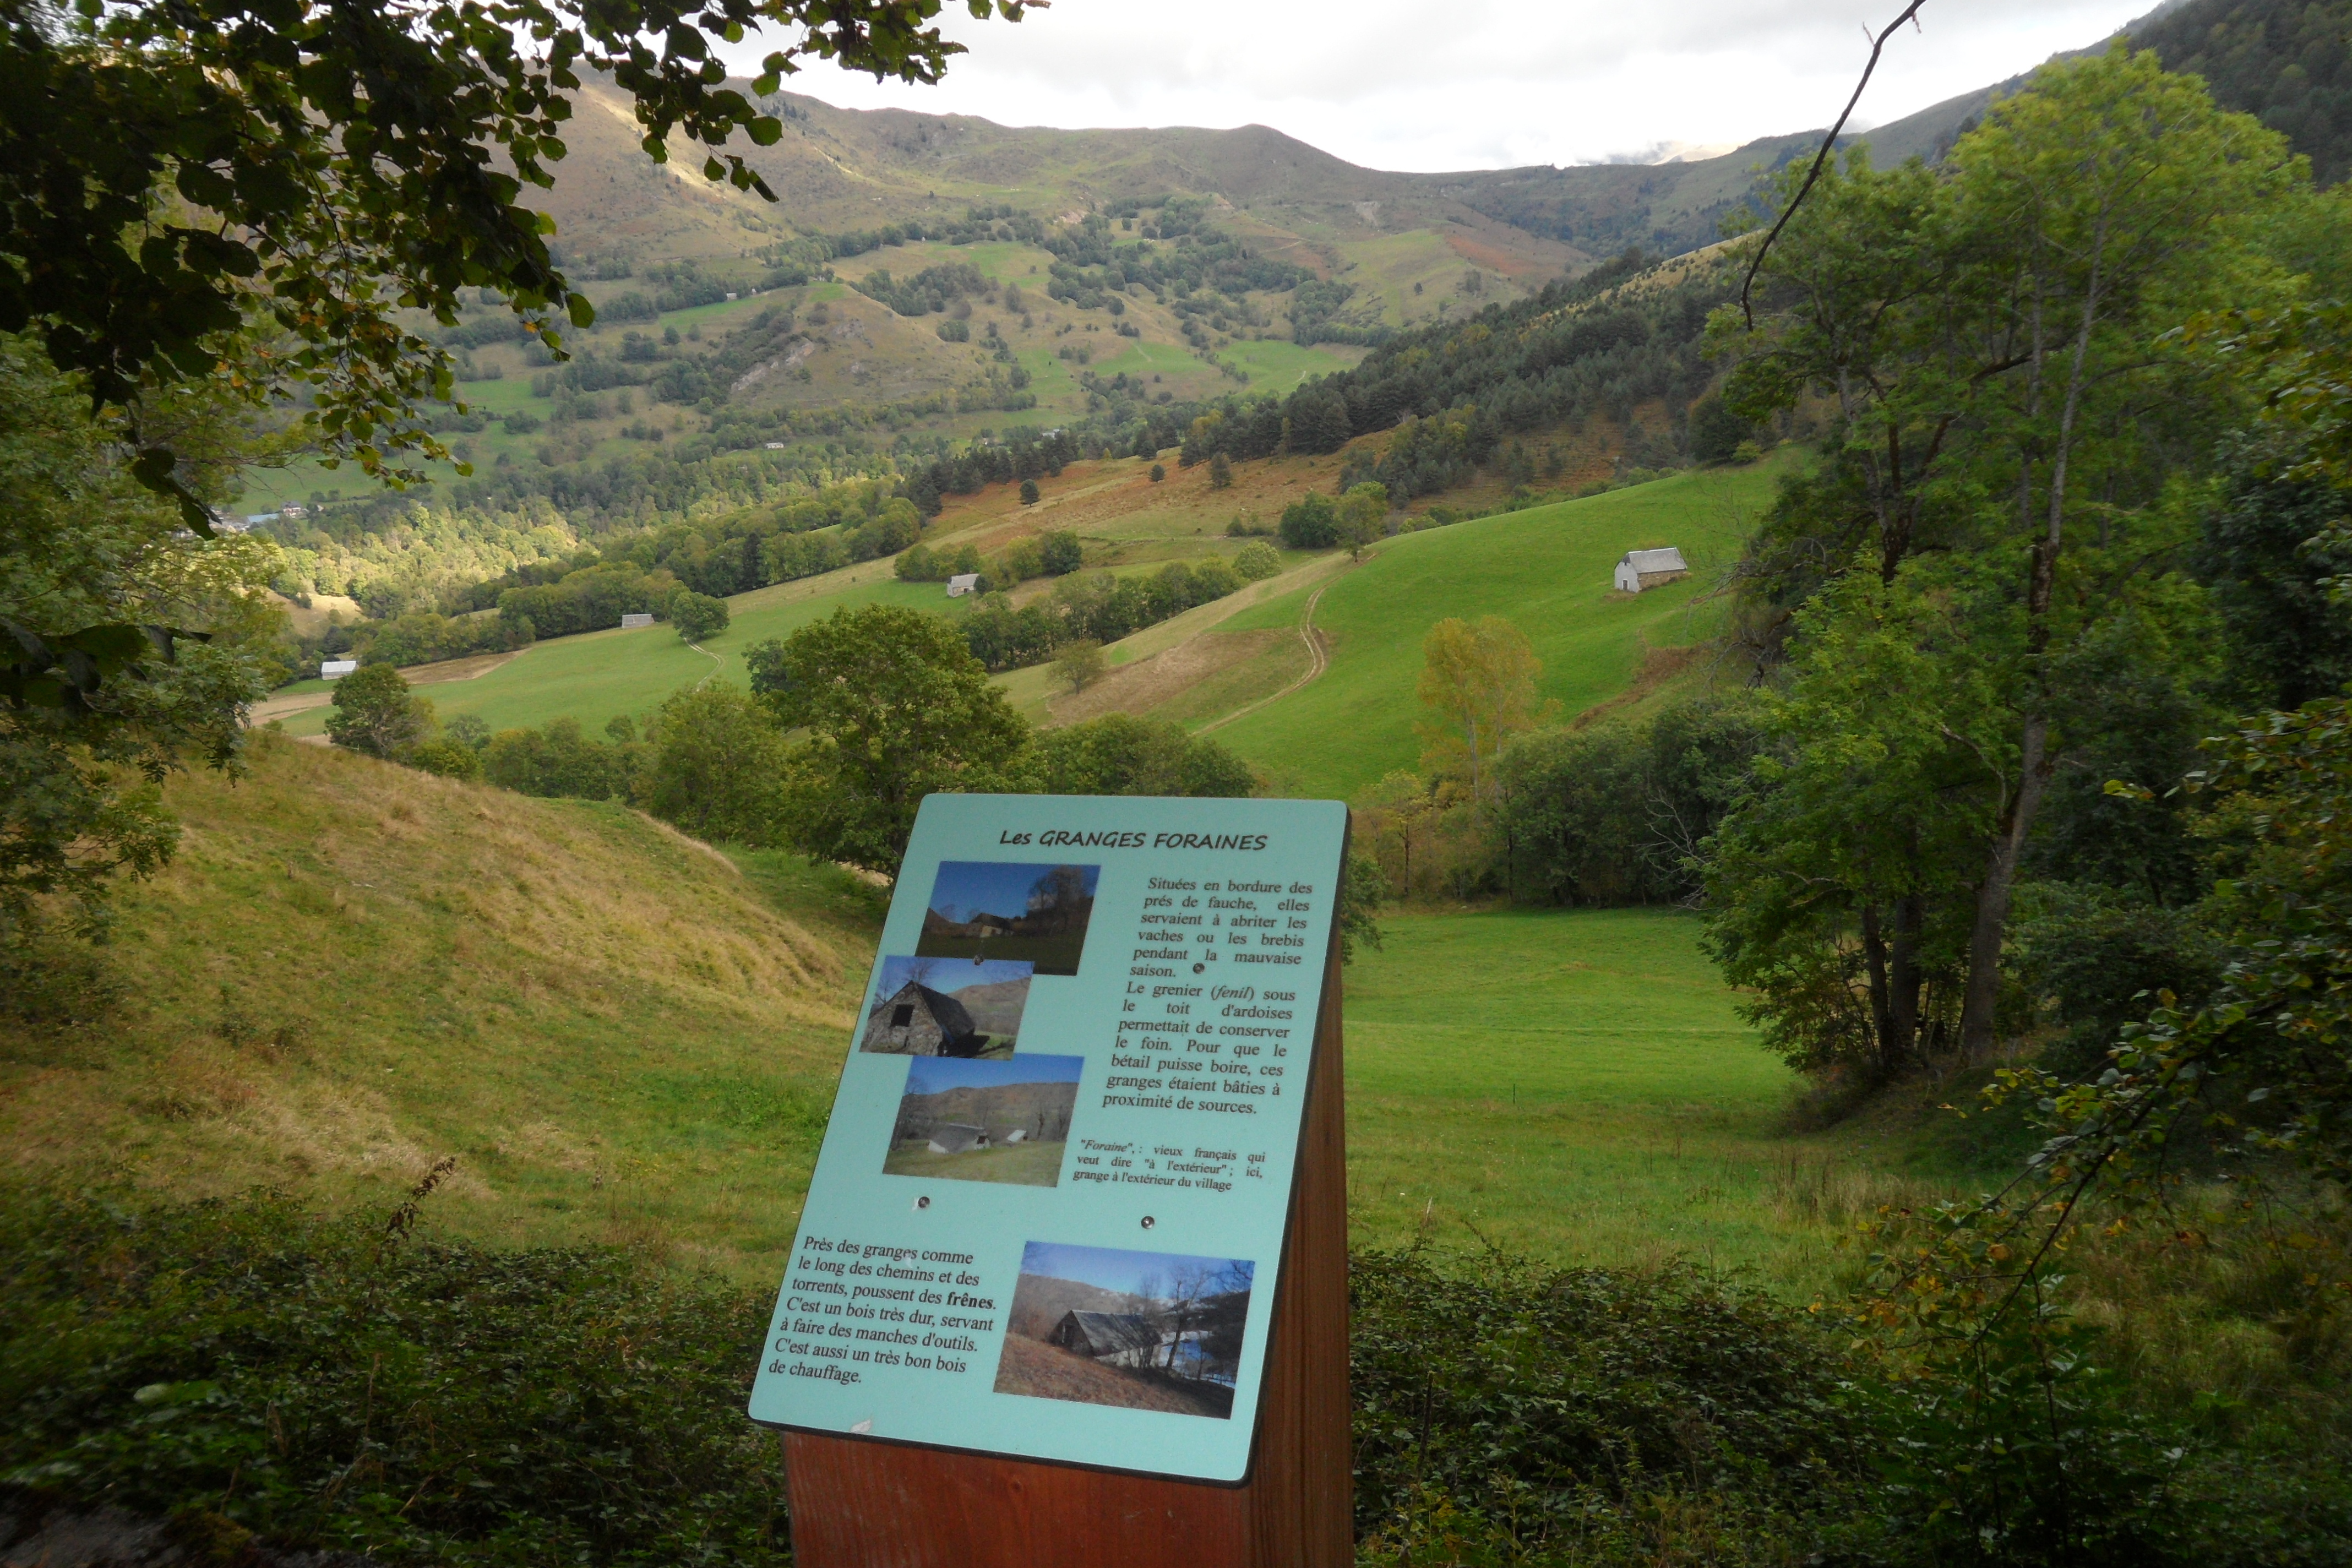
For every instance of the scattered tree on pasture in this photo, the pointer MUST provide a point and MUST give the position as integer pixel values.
(696, 616)
(376, 714)
(1079, 664)
(1477, 689)
(897, 708)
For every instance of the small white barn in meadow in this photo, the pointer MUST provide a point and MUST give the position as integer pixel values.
(631, 623)
(1644, 569)
(962, 583)
(336, 668)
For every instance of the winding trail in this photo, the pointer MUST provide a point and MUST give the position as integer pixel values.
(1316, 663)
(717, 664)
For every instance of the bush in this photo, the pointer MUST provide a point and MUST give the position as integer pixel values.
(559, 761)
(375, 714)
(696, 616)
(1557, 1404)
(250, 1370)
(1121, 754)
(1060, 553)
(717, 768)
(1028, 492)
(1311, 523)
(449, 758)
(1256, 560)
(1159, 472)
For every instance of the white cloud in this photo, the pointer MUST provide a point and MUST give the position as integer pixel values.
(1476, 83)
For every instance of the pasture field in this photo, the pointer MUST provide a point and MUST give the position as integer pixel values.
(1577, 1086)
(1546, 570)
(597, 676)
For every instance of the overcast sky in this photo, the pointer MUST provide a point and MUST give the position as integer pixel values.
(1477, 84)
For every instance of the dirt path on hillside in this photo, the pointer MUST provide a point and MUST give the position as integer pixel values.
(1316, 663)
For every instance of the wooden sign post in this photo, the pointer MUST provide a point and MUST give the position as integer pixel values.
(882, 1500)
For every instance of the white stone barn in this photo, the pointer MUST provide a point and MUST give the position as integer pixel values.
(962, 582)
(1644, 569)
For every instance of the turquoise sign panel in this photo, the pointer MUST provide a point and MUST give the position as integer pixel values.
(1048, 1216)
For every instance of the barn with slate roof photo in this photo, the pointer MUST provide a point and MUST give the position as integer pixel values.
(937, 1007)
(916, 1021)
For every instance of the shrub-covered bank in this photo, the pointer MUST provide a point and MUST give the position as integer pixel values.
(258, 1374)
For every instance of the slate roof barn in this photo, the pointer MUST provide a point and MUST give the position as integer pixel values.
(1644, 569)
(916, 1021)
(1122, 1339)
(955, 1137)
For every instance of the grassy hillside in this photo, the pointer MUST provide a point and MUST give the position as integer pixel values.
(626, 1037)
(1546, 570)
(354, 969)
(597, 676)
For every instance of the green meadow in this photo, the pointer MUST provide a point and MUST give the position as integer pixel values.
(597, 676)
(1546, 570)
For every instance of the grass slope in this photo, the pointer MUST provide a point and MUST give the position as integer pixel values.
(1546, 570)
(353, 969)
(1577, 1086)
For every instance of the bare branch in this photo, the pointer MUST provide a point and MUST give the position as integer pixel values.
(1829, 145)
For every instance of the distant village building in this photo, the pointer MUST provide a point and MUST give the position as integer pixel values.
(1121, 1338)
(962, 583)
(336, 668)
(956, 1137)
(631, 623)
(1646, 569)
(916, 1021)
(293, 511)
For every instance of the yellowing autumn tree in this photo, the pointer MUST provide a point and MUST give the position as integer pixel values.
(1478, 689)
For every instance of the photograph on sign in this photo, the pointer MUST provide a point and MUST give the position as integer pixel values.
(981, 1120)
(1141, 1331)
(947, 1008)
(988, 909)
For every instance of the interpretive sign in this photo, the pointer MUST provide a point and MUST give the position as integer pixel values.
(1047, 1220)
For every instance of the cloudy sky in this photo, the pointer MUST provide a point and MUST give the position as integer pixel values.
(1402, 84)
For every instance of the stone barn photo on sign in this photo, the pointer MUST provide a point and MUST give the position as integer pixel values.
(970, 1121)
(946, 1007)
(1141, 1331)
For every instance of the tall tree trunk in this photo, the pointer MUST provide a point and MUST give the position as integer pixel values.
(1903, 981)
(1873, 956)
(2034, 760)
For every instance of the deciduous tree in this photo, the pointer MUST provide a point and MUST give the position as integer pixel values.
(1477, 689)
(895, 708)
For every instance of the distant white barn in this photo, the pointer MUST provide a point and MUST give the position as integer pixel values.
(631, 623)
(962, 583)
(1646, 569)
(336, 668)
